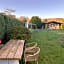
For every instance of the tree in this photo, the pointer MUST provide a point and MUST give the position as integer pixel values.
(37, 21)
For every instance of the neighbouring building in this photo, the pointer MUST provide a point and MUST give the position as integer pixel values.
(53, 23)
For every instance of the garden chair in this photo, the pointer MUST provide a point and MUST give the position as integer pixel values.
(30, 46)
(32, 55)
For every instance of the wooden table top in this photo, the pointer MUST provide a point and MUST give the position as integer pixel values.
(12, 50)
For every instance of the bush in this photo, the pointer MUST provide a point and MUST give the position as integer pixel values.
(19, 32)
(6, 23)
(11, 22)
(2, 27)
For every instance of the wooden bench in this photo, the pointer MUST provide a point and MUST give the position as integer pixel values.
(11, 52)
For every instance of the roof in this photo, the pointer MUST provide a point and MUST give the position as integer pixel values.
(59, 20)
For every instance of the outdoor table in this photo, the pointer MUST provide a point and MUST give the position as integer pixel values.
(11, 52)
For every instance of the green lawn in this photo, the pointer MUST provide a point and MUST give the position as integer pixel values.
(51, 49)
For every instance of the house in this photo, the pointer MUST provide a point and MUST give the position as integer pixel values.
(53, 23)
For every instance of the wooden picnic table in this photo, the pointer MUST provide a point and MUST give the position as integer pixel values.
(11, 52)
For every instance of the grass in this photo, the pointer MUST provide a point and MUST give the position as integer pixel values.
(51, 50)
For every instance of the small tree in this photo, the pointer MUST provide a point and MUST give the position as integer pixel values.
(37, 21)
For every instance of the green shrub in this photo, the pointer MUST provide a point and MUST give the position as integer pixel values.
(6, 23)
(2, 27)
(19, 32)
(11, 22)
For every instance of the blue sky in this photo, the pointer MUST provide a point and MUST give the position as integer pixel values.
(42, 8)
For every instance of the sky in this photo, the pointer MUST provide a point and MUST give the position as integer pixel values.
(41, 8)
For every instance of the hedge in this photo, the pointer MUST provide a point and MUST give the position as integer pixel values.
(2, 27)
(6, 23)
